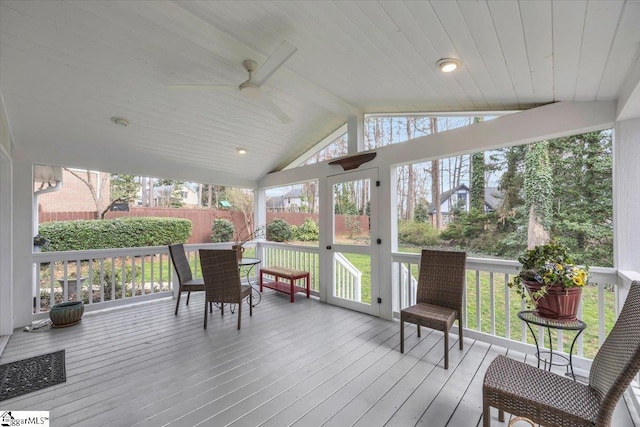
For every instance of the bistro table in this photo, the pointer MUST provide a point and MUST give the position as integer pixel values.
(250, 263)
(532, 318)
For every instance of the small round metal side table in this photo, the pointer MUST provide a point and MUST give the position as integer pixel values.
(251, 263)
(531, 318)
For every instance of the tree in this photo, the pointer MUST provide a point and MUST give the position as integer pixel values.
(435, 181)
(94, 181)
(242, 200)
(582, 208)
(309, 190)
(538, 185)
(477, 181)
(124, 189)
(212, 195)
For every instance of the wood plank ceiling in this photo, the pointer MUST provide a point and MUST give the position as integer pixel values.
(67, 67)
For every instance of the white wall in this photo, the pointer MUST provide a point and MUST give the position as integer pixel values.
(6, 227)
(6, 239)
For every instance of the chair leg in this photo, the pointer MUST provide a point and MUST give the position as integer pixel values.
(205, 314)
(178, 302)
(239, 313)
(188, 296)
(401, 335)
(460, 334)
(446, 350)
(221, 309)
(500, 415)
(210, 307)
(418, 326)
(250, 304)
(486, 415)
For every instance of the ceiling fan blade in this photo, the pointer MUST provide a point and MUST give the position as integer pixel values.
(273, 62)
(202, 88)
(267, 103)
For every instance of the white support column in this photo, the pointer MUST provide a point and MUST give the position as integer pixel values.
(260, 207)
(387, 226)
(626, 199)
(324, 224)
(355, 134)
(22, 242)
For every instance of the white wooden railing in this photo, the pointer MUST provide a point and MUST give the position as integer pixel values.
(348, 280)
(123, 276)
(488, 299)
(298, 257)
(104, 278)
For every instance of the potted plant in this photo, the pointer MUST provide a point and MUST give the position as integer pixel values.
(240, 238)
(550, 281)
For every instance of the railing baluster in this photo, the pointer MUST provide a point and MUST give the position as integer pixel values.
(507, 307)
(492, 302)
(601, 318)
(478, 308)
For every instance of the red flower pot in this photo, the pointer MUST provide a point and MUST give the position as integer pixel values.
(559, 303)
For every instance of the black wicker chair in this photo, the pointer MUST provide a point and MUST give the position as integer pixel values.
(222, 281)
(185, 280)
(439, 296)
(554, 400)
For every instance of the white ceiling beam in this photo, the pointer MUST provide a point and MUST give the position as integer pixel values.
(629, 96)
(546, 122)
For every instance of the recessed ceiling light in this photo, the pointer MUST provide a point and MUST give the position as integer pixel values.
(120, 121)
(241, 150)
(448, 65)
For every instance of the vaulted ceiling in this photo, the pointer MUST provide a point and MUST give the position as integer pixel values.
(68, 67)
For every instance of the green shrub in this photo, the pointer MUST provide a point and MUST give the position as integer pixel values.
(114, 233)
(279, 231)
(417, 234)
(308, 231)
(222, 230)
(352, 223)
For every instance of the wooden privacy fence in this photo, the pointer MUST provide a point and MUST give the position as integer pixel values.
(202, 219)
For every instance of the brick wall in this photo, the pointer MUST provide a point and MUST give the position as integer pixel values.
(74, 195)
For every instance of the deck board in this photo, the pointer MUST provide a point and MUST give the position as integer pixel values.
(303, 364)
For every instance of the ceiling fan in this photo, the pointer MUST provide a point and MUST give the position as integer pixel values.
(251, 88)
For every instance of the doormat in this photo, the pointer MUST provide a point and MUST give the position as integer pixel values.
(34, 373)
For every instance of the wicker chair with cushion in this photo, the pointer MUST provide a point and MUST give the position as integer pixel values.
(554, 400)
(439, 295)
(222, 280)
(185, 280)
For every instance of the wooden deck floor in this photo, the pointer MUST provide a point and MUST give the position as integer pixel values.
(303, 364)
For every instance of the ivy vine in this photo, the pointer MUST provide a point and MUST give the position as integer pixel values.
(538, 182)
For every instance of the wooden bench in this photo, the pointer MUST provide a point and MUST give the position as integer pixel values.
(283, 273)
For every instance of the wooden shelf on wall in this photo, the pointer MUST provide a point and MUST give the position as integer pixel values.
(353, 162)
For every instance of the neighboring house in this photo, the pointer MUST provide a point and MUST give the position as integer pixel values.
(459, 198)
(291, 201)
(74, 195)
(188, 194)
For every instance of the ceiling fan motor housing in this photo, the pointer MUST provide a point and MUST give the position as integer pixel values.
(250, 90)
